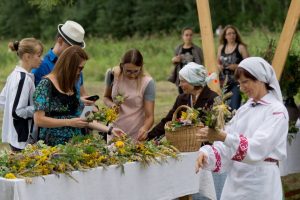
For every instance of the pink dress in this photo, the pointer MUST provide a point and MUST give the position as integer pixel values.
(132, 115)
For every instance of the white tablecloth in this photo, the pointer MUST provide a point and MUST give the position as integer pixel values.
(156, 182)
(292, 163)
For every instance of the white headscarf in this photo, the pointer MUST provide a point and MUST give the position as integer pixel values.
(264, 72)
(196, 74)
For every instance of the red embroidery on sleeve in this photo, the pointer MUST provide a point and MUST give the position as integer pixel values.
(242, 150)
(218, 159)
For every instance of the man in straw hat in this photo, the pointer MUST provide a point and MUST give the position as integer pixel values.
(70, 33)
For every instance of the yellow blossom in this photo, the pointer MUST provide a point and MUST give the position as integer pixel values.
(10, 176)
(122, 151)
(119, 144)
(184, 115)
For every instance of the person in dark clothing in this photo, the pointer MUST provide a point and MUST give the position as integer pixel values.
(185, 53)
(193, 81)
(231, 51)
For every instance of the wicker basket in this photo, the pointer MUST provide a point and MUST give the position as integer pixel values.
(183, 138)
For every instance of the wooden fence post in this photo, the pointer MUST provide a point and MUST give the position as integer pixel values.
(286, 37)
(207, 38)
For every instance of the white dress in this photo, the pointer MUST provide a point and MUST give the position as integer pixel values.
(256, 133)
(24, 106)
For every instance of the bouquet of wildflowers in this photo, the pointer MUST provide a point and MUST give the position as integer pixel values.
(190, 117)
(119, 99)
(105, 115)
(220, 113)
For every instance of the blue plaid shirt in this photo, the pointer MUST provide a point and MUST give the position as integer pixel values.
(47, 66)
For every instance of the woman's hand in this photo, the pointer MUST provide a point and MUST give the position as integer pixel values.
(201, 161)
(232, 67)
(86, 102)
(76, 122)
(208, 134)
(220, 68)
(142, 135)
(176, 59)
(118, 132)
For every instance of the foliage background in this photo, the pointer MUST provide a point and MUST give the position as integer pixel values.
(119, 19)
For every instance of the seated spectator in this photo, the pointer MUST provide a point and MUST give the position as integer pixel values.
(193, 81)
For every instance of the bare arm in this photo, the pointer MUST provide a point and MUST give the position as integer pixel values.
(243, 51)
(83, 91)
(100, 127)
(220, 66)
(107, 99)
(42, 120)
(176, 59)
(149, 119)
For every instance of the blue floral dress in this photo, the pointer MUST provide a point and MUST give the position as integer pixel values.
(60, 106)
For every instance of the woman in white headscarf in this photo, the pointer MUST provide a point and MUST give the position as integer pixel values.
(193, 81)
(254, 141)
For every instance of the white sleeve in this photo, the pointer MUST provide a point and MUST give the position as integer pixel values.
(217, 158)
(271, 132)
(23, 110)
(217, 154)
(3, 97)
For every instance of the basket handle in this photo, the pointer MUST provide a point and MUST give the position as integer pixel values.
(178, 109)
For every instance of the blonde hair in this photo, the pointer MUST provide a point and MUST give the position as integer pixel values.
(26, 45)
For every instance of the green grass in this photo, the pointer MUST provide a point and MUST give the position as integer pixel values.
(157, 51)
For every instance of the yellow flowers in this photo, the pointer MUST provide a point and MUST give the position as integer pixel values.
(111, 114)
(105, 114)
(122, 151)
(82, 152)
(190, 114)
(190, 117)
(10, 176)
(119, 144)
(184, 115)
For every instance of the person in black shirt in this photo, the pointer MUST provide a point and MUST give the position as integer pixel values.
(185, 53)
(231, 51)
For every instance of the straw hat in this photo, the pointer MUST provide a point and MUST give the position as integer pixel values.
(72, 32)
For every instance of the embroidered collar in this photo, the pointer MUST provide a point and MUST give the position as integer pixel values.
(265, 100)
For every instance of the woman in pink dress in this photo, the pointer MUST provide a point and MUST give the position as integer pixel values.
(136, 113)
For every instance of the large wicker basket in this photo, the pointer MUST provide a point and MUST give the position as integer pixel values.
(183, 138)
